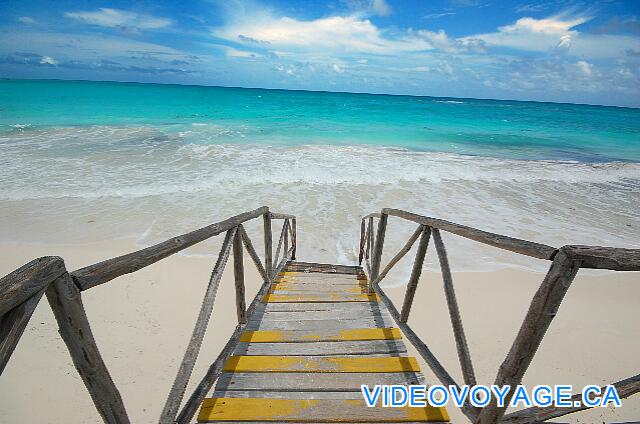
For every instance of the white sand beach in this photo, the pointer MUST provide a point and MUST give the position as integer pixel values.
(142, 322)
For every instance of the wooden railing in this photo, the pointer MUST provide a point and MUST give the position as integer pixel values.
(565, 263)
(21, 290)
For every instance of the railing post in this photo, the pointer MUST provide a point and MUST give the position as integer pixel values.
(362, 241)
(543, 309)
(379, 244)
(238, 272)
(66, 302)
(415, 273)
(294, 239)
(454, 312)
(268, 245)
(286, 237)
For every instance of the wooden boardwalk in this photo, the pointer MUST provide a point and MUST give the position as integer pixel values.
(313, 340)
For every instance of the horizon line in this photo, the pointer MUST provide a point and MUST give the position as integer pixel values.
(319, 91)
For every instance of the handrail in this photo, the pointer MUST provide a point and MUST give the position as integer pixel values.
(21, 290)
(565, 264)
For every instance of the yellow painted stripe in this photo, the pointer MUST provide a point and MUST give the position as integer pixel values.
(321, 364)
(289, 298)
(337, 290)
(312, 410)
(275, 336)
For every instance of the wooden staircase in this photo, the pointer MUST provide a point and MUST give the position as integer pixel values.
(314, 339)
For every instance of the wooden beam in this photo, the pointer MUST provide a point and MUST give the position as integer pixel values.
(12, 325)
(238, 273)
(454, 312)
(403, 251)
(281, 216)
(367, 249)
(294, 239)
(377, 252)
(612, 258)
(28, 280)
(543, 309)
(252, 253)
(524, 247)
(280, 240)
(191, 406)
(268, 245)
(362, 241)
(415, 273)
(176, 394)
(66, 302)
(104, 271)
(625, 388)
(372, 215)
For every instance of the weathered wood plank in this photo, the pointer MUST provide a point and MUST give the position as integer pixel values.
(315, 325)
(12, 325)
(362, 241)
(331, 410)
(280, 241)
(415, 273)
(322, 315)
(524, 247)
(377, 249)
(359, 347)
(454, 312)
(356, 307)
(281, 216)
(66, 302)
(104, 271)
(252, 252)
(299, 266)
(342, 297)
(300, 381)
(238, 273)
(605, 257)
(179, 386)
(318, 291)
(330, 364)
(31, 278)
(285, 395)
(543, 309)
(268, 245)
(326, 335)
(294, 238)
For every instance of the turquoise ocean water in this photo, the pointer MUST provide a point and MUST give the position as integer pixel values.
(104, 160)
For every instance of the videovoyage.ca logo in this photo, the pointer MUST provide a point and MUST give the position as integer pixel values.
(481, 395)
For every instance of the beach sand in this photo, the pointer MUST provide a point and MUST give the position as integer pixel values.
(142, 323)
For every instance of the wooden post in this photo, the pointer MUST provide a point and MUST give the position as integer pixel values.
(12, 325)
(238, 272)
(268, 245)
(286, 236)
(294, 239)
(362, 241)
(415, 273)
(377, 252)
(66, 302)
(280, 240)
(543, 309)
(176, 394)
(454, 312)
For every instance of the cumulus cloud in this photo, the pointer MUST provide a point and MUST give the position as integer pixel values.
(585, 67)
(26, 20)
(48, 60)
(120, 19)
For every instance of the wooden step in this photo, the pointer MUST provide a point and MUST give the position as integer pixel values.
(331, 297)
(312, 410)
(358, 347)
(321, 364)
(272, 336)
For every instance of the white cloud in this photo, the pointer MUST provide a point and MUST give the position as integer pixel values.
(338, 68)
(48, 60)
(585, 67)
(381, 7)
(349, 34)
(26, 20)
(121, 19)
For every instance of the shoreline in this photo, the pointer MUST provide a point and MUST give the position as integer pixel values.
(142, 322)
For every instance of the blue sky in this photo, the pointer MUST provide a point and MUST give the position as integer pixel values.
(584, 52)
